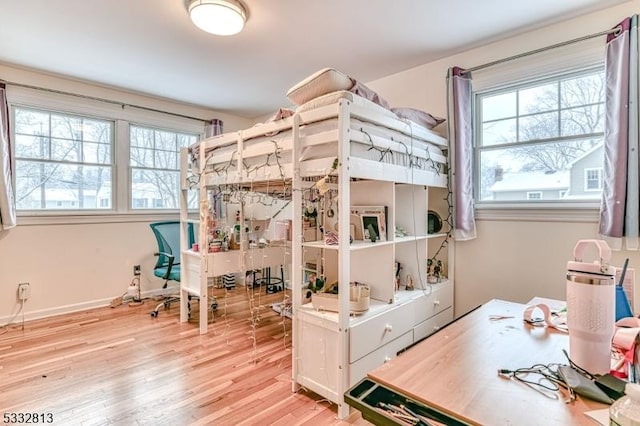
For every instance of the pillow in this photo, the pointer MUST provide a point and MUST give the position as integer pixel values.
(419, 117)
(282, 113)
(325, 81)
(365, 92)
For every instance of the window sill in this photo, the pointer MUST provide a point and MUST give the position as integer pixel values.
(538, 212)
(75, 218)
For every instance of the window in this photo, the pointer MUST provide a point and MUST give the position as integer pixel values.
(155, 167)
(537, 195)
(63, 161)
(593, 179)
(76, 160)
(541, 140)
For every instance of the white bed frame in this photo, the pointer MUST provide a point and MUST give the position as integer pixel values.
(242, 160)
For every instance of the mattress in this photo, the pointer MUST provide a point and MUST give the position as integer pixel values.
(266, 151)
(335, 97)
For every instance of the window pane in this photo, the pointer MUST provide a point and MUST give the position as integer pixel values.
(99, 153)
(156, 188)
(552, 169)
(539, 126)
(185, 141)
(31, 147)
(65, 150)
(499, 106)
(498, 132)
(41, 186)
(141, 137)
(166, 160)
(141, 157)
(538, 99)
(29, 122)
(583, 90)
(66, 127)
(166, 141)
(583, 120)
(96, 131)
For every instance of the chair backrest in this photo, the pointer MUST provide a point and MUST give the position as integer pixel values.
(167, 235)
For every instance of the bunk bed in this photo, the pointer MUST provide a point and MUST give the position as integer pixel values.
(339, 133)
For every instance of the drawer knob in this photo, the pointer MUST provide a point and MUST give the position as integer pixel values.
(436, 303)
(436, 327)
(387, 359)
(388, 327)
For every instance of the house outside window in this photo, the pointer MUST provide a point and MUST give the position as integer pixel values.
(155, 166)
(535, 140)
(593, 179)
(63, 161)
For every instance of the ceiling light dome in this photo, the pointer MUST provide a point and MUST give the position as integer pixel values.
(220, 17)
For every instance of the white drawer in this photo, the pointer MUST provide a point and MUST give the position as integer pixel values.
(259, 258)
(433, 324)
(369, 335)
(437, 301)
(224, 262)
(360, 368)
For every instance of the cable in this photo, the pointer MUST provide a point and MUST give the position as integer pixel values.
(10, 321)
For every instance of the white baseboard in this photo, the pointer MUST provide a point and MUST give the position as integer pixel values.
(76, 307)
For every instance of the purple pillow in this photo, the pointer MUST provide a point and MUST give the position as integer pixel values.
(419, 117)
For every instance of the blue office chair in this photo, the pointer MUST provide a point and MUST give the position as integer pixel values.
(167, 267)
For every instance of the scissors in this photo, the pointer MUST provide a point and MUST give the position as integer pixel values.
(499, 317)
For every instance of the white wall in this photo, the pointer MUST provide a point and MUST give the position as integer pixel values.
(513, 260)
(77, 266)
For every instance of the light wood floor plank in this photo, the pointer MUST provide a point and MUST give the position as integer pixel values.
(119, 366)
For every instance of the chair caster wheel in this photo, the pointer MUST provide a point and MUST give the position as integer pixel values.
(154, 314)
(214, 306)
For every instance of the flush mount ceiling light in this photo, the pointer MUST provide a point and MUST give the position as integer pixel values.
(220, 17)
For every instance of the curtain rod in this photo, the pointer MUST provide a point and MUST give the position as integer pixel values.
(615, 30)
(94, 98)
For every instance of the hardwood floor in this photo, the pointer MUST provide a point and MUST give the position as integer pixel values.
(120, 366)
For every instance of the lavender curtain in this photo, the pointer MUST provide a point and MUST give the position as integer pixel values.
(461, 146)
(619, 220)
(213, 128)
(7, 202)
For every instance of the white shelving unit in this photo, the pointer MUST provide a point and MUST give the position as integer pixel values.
(333, 350)
(198, 267)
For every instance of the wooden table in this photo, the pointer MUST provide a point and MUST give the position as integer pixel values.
(456, 370)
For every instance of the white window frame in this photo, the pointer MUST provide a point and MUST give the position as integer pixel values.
(545, 210)
(599, 170)
(122, 116)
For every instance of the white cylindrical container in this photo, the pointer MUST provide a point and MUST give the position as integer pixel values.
(590, 320)
(626, 410)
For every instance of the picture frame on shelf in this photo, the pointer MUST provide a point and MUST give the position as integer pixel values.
(372, 228)
(365, 218)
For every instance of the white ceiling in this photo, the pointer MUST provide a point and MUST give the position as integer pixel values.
(150, 46)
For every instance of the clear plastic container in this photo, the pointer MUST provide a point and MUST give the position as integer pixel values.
(626, 410)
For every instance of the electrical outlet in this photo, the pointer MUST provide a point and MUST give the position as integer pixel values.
(24, 291)
(136, 270)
